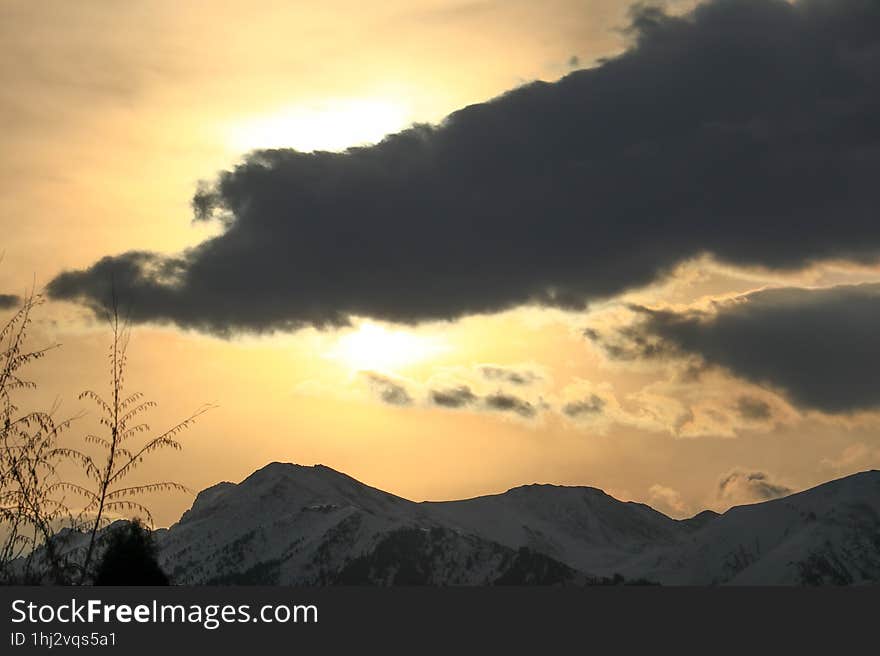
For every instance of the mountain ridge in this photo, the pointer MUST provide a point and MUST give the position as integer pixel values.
(311, 525)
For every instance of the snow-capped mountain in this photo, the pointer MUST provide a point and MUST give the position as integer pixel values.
(580, 526)
(827, 534)
(284, 523)
(292, 524)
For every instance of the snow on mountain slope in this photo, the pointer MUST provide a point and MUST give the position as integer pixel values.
(441, 556)
(581, 526)
(284, 523)
(827, 534)
(292, 524)
(289, 524)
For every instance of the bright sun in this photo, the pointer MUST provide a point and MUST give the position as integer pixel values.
(375, 348)
(328, 125)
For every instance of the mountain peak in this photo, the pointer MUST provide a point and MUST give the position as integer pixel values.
(297, 524)
(278, 468)
(550, 487)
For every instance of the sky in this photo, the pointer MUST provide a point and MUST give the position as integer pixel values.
(453, 247)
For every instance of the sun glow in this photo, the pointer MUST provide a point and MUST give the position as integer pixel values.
(375, 348)
(331, 125)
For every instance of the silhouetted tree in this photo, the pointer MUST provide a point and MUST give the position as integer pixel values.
(130, 558)
(32, 505)
(119, 416)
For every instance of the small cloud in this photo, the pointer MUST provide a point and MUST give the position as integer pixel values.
(574, 61)
(512, 376)
(593, 405)
(683, 420)
(504, 402)
(455, 397)
(740, 486)
(9, 301)
(855, 457)
(630, 342)
(388, 390)
(667, 500)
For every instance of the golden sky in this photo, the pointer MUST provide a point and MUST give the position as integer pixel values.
(114, 111)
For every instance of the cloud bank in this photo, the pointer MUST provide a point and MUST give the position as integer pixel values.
(819, 346)
(747, 129)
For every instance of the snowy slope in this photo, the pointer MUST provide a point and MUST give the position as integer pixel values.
(581, 526)
(290, 524)
(286, 523)
(441, 556)
(828, 534)
(302, 525)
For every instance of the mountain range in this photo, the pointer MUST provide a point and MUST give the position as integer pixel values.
(288, 524)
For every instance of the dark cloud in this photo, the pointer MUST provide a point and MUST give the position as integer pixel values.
(395, 393)
(509, 375)
(748, 129)
(9, 301)
(589, 406)
(752, 408)
(820, 346)
(462, 396)
(388, 390)
(632, 342)
(739, 486)
(504, 402)
(455, 397)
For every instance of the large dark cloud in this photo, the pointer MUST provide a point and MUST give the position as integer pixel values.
(749, 129)
(8, 301)
(821, 346)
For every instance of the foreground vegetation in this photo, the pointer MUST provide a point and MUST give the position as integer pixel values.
(58, 491)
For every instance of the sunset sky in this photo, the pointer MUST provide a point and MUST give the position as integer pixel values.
(636, 250)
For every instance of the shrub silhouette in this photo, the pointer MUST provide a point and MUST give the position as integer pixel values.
(130, 558)
(32, 504)
(119, 419)
(33, 497)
